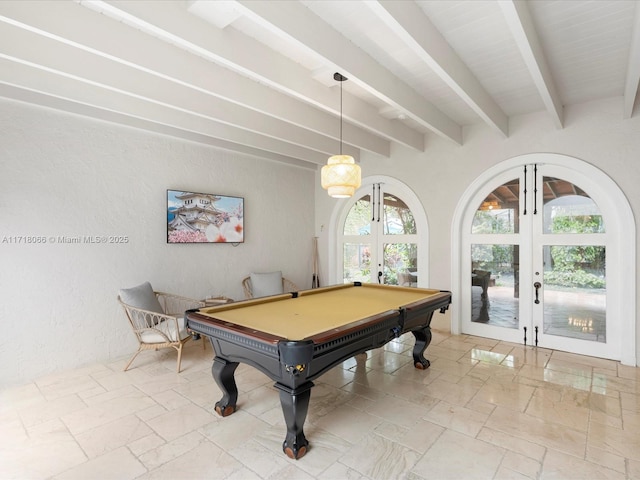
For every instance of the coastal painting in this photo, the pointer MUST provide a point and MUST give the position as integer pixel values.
(204, 218)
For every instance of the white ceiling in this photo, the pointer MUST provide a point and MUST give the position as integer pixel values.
(257, 76)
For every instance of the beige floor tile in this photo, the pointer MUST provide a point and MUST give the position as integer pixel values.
(626, 371)
(486, 356)
(418, 437)
(206, 460)
(259, 400)
(459, 368)
(439, 351)
(396, 410)
(606, 459)
(526, 355)
(630, 401)
(259, 459)
(339, 471)
(624, 443)
(180, 421)
(608, 383)
(409, 373)
(63, 386)
(457, 456)
(120, 432)
(324, 399)
(498, 373)
(169, 451)
(118, 464)
(459, 393)
(342, 422)
(512, 443)
(291, 472)
(633, 469)
(120, 404)
(387, 362)
(53, 409)
(46, 450)
(376, 457)
(553, 377)
(558, 465)
(456, 418)
(324, 448)
(522, 465)
(244, 474)
(337, 377)
(560, 412)
(145, 444)
(21, 397)
(511, 395)
(584, 360)
(233, 431)
(536, 430)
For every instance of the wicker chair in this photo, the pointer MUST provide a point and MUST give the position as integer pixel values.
(155, 330)
(287, 286)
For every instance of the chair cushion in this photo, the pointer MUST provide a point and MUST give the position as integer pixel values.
(142, 297)
(265, 284)
(168, 327)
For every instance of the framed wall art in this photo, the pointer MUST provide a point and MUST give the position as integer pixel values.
(194, 217)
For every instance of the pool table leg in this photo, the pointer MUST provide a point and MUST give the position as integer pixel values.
(223, 373)
(295, 404)
(423, 339)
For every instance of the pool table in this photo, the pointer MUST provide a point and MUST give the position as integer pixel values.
(296, 337)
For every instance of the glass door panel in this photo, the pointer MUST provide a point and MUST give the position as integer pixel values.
(575, 292)
(357, 262)
(495, 285)
(398, 219)
(401, 264)
(358, 221)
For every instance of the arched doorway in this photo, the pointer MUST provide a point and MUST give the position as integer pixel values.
(381, 236)
(544, 248)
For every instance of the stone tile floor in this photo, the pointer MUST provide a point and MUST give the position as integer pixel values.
(484, 410)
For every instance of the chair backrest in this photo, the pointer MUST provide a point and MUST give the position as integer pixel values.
(287, 286)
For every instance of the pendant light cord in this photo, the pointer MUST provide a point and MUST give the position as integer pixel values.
(340, 78)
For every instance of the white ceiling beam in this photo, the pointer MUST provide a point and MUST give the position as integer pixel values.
(107, 104)
(409, 22)
(39, 99)
(103, 36)
(632, 81)
(243, 54)
(518, 18)
(291, 20)
(75, 63)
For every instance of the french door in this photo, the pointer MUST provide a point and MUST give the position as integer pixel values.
(378, 241)
(537, 256)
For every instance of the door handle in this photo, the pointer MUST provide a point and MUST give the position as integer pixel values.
(379, 276)
(537, 286)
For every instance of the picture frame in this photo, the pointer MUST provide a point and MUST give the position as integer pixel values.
(195, 217)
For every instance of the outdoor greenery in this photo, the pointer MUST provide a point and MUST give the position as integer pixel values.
(571, 265)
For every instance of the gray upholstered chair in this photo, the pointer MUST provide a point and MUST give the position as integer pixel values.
(265, 284)
(407, 279)
(157, 318)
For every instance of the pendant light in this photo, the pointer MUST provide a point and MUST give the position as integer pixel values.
(340, 176)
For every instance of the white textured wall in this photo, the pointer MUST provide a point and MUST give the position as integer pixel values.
(593, 132)
(63, 175)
